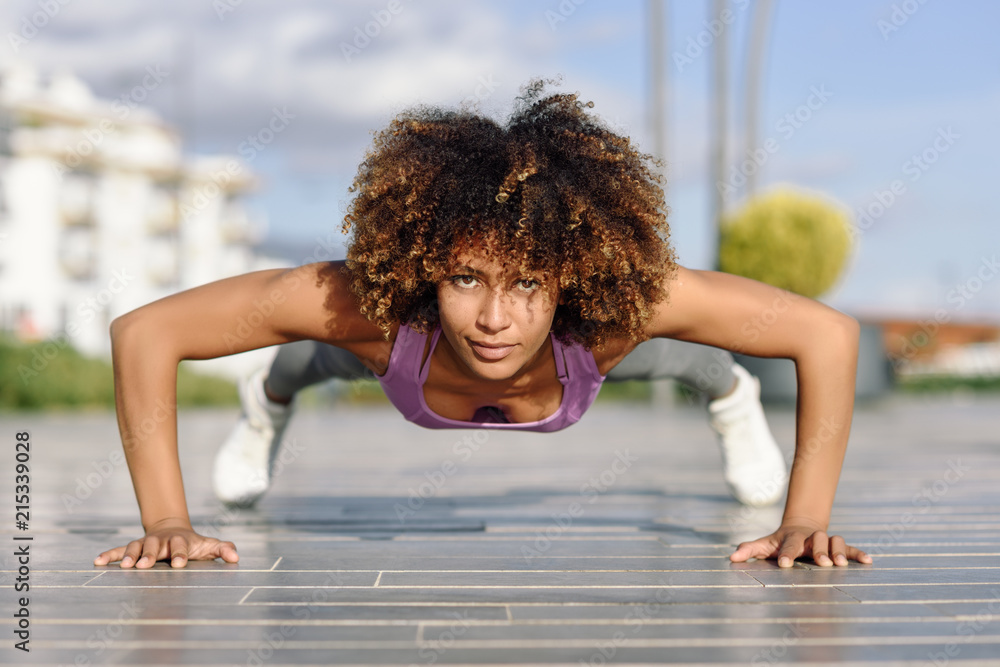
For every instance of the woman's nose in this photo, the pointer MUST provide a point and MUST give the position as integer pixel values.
(494, 314)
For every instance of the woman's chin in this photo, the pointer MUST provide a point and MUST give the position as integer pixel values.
(501, 369)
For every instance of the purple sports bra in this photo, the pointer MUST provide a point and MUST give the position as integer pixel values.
(403, 384)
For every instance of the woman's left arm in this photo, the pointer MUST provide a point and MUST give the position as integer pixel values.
(750, 317)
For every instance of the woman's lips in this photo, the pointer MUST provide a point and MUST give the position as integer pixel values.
(493, 353)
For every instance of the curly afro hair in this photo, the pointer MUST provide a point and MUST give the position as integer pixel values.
(553, 191)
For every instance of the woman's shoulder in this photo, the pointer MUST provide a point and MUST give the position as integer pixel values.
(613, 351)
(320, 296)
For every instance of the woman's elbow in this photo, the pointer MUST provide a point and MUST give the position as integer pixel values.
(126, 325)
(851, 327)
(120, 324)
(843, 330)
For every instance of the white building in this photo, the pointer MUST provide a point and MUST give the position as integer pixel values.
(100, 214)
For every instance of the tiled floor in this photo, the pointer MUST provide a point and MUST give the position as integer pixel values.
(385, 543)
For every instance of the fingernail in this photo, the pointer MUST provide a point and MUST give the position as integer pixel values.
(141, 560)
(126, 561)
(784, 561)
(177, 562)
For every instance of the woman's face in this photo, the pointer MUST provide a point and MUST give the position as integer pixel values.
(495, 322)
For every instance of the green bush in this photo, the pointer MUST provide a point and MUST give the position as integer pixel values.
(47, 375)
(786, 238)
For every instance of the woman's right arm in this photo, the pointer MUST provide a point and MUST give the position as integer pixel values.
(225, 317)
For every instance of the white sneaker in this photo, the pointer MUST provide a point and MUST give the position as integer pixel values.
(243, 465)
(754, 468)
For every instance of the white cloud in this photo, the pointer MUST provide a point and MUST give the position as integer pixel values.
(226, 75)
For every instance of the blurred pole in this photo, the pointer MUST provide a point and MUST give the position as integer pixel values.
(663, 391)
(755, 66)
(718, 131)
(185, 121)
(657, 110)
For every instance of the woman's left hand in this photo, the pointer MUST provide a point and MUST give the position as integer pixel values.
(791, 541)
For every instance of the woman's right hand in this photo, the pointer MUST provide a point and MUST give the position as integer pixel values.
(173, 540)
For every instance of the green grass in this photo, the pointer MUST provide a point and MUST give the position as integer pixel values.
(632, 390)
(50, 376)
(947, 383)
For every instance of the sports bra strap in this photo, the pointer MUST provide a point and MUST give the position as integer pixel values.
(425, 370)
(559, 352)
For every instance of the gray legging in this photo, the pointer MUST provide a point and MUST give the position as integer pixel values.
(702, 367)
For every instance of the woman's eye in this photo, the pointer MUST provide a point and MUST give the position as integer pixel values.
(529, 285)
(461, 281)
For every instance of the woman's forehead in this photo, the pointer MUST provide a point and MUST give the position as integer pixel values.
(478, 261)
(490, 255)
(482, 262)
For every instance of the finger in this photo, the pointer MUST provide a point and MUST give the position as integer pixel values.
(821, 548)
(178, 551)
(743, 553)
(227, 551)
(854, 553)
(132, 551)
(838, 550)
(792, 547)
(150, 553)
(110, 556)
(756, 549)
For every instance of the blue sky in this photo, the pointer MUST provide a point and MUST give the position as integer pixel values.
(891, 94)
